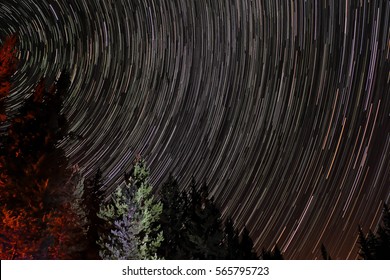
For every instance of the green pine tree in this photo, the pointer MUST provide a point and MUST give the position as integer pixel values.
(131, 229)
(121, 207)
(148, 211)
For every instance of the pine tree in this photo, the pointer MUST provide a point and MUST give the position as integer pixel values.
(117, 235)
(231, 241)
(173, 221)
(192, 226)
(148, 211)
(246, 246)
(132, 219)
(203, 226)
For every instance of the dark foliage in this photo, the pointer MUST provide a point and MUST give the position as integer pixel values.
(93, 197)
(376, 246)
(324, 253)
(173, 221)
(231, 241)
(274, 254)
(246, 246)
(193, 229)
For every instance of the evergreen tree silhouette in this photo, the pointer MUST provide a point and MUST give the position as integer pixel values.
(276, 254)
(376, 246)
(173, 221)
(204, 225)
(367, 245)
(192, 226)
(383, 236)
(324, 253)
(231, 241)
(246, 245)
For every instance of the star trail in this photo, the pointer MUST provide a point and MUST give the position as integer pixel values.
(282, 107)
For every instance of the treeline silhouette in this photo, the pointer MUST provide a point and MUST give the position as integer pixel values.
(49, 211)
(133, 223)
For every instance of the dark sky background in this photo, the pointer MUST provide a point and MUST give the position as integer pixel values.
(281, 106)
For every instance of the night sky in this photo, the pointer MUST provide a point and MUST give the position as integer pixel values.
(281, 106)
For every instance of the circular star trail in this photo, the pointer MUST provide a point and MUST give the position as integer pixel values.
(282, 107)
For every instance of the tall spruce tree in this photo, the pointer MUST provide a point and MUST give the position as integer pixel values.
(117, 239)
(132, 219)
(39, 217)
(148, 211)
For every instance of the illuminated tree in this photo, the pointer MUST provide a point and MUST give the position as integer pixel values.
(66, 225)
(132, 229)
(8, 63)
(18, 232)
(117, 240)
(42, 216)
(148, 211)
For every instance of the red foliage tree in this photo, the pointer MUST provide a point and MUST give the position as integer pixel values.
(8, 63)
(40, 207)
